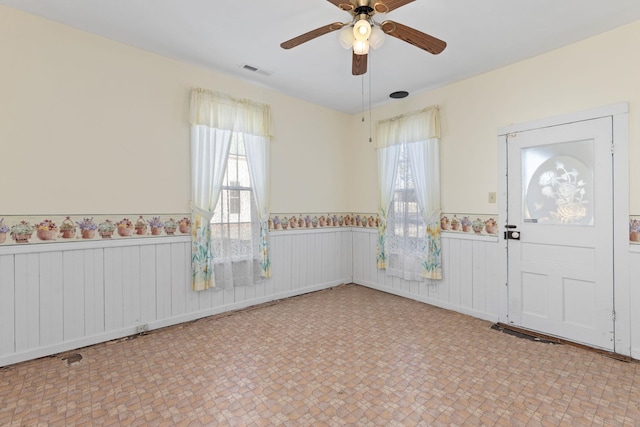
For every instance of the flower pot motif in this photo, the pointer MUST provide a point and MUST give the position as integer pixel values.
(46, 230)
(455, 223)
(106, 229)
(67, 229)
(124, 232)
(184, 225)
(477, 226)
(634, 230)
(45, 234)
(3, 231)
(491, 226)
(21, 232)
(87, 228)
(285, 223)
(301, 221)
(156, 226)
(125, 227)
(445, 224)
(68, 234)
(293, 222)
(21, 238)
(140, 226)
(170, 230)
(371, 221)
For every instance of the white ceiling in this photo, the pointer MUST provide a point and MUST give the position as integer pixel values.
(225, 35)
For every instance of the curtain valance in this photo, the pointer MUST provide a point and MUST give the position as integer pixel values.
(220, 111)
(406, 128)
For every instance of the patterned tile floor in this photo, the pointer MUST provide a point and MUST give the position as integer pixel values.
(345, 356)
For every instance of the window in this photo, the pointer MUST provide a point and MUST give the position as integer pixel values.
(234, 226)
(409, 190)
(230, 141)
(406, 229)
(234, 196)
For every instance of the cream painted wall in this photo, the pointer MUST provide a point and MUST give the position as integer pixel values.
(600, 71)
(88, 125)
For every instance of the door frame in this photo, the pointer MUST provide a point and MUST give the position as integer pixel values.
(619, 114)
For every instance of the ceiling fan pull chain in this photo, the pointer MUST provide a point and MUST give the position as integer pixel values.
(370, 71)
(362, 86)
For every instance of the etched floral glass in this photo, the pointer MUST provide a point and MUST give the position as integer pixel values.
(557, 184)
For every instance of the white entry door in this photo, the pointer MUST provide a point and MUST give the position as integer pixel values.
(560, 231)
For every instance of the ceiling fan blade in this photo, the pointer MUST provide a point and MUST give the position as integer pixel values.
(414, 37)
(311, 35)
(343, 4)
(359, 64)
(386, 6)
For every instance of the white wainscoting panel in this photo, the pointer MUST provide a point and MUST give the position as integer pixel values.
(59, 297)
(62, 296)
(634, 300)
(470, 270)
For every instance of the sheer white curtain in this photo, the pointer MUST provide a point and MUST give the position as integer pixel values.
(214, 119)
(209, 154)
(424, 157)
(259, 159)
(387, 170)
(415, 247)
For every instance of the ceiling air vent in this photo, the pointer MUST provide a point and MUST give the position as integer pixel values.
(256, 70)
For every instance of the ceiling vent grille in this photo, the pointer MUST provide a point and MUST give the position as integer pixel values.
(256, 70)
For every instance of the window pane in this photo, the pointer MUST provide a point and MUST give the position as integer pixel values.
(558, 184)
(404, 216)
(232, 229)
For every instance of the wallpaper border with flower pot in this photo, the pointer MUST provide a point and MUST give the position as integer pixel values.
(634, 229)
(462, 223)
(310, 221)
(469, 223)
(31, 229)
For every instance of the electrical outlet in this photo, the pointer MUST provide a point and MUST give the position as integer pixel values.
(492, 197)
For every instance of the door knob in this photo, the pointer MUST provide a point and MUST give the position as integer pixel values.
(512, 235)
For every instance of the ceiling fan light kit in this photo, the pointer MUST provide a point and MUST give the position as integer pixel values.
(376, 39)
(361, 47)
(346, 38)
(363, 32)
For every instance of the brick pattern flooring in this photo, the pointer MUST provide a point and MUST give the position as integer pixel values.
(345, 356)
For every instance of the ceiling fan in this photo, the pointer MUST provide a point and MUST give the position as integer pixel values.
(363, 31)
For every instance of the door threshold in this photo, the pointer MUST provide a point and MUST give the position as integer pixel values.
(540, 337)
